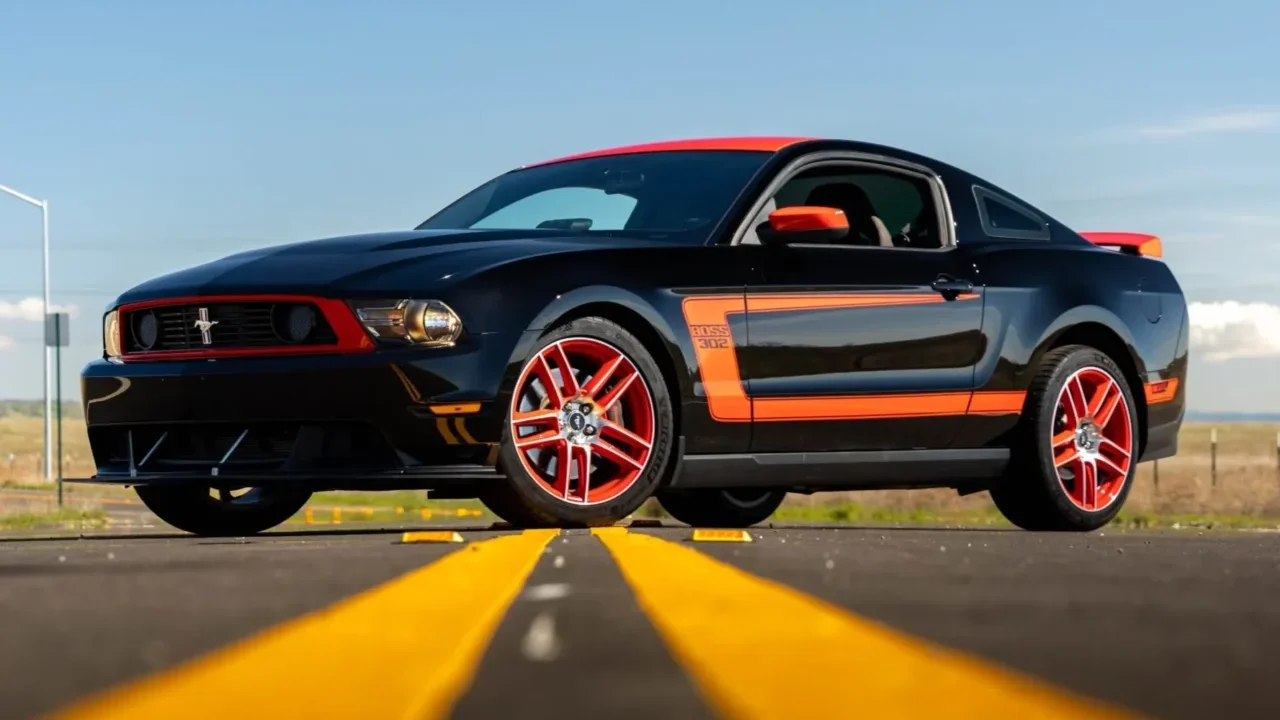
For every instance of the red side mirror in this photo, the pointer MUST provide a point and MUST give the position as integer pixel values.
(805, 224)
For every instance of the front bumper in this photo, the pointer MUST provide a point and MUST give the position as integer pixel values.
(319, 419)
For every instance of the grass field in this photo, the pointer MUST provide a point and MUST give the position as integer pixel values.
(1246, 488)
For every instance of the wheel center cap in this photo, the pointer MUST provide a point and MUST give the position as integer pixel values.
(1087, 436)
(578, 423)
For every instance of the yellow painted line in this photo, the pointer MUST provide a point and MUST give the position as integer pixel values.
(431, 536)
(759, 649)
(406, 649)
(718, 535)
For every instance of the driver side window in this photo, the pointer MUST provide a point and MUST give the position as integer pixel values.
(884, 208)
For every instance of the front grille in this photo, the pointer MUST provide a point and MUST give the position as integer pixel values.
(229, 325)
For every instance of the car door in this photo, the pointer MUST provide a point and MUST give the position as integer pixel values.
(869, 343)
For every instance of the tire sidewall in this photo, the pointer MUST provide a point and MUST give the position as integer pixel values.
(192, 510)
(1043, 437)
(528, 489)
(720, 508)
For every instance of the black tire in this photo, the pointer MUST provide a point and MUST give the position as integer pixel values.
(195, 510)
(721, 508)
(520, 499)
(1030, 495)
(501, 501)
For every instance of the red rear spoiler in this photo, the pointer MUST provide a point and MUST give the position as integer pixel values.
(1125, 242)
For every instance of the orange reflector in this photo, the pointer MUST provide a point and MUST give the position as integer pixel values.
(456, 409)
(431, 536)
(713, 535)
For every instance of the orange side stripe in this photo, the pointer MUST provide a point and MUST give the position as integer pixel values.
(780, 303)
(708, 320)
(997, 402)
(1160, 392)
(861, 407)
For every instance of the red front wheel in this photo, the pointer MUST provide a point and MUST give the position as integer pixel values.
(589, 430)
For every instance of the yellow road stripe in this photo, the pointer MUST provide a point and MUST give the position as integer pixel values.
(758, 649)
(405, 649)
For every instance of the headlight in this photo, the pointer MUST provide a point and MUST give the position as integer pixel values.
(428, 323)
(111, 334)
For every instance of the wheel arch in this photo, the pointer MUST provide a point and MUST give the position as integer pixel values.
(1098, 329)
(634, 314)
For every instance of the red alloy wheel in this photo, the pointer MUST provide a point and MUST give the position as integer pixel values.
(582, 420)
(1092, 439)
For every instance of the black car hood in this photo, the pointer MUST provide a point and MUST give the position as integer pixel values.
(368, 264)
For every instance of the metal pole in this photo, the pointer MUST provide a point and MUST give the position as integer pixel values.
(57, 374)
(48, 398)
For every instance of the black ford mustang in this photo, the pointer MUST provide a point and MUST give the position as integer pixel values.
(712, 322)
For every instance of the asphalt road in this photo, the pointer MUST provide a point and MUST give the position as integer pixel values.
(644, 623)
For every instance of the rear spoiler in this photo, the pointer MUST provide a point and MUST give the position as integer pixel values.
(1129, 243)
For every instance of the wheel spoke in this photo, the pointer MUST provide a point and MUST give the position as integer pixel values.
(536, 440)
(584, 472)
(1120, 471)
(1075, 395)
(611, 452)
(564, 458)
(1088, 485)
(568, 383)
(624, 434)
(1107, 411)
(1063, 437)
(611, 398)
(602, 377)
(1109, 443)
(536, 417)
(1099, 397)
(548, 378)
(1065, 457)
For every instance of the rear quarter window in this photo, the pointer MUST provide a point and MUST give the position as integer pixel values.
(1002, 217)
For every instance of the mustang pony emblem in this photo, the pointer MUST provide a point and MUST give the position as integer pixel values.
(204, 324)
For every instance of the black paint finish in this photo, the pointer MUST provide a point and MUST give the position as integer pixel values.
(509, 287)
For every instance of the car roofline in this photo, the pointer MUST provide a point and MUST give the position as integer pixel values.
(747, 143)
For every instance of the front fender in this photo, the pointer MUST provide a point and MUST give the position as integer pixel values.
(645, 315)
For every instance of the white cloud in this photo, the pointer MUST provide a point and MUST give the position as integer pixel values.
(5, 342)
(1214, 124)
(1232, 330)
(31, 310)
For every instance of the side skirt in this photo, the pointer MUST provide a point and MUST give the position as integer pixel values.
(854, 470)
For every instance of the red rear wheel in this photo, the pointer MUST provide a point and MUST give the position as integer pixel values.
(1074, 455)
(1092, 439)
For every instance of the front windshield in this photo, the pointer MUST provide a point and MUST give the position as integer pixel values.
(678, 195)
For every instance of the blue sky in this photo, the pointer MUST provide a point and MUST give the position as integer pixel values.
(167, 134)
